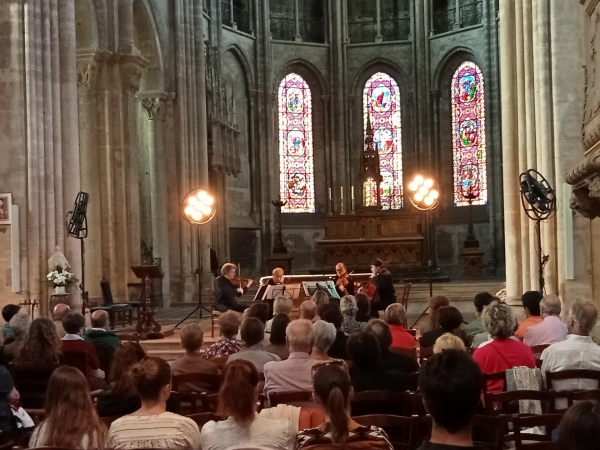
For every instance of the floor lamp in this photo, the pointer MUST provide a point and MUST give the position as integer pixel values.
(198, 208)
(424, 195)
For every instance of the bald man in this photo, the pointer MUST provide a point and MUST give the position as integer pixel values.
(277, 277)
(551, 329)
(98, 332)
(60, 311)
(308, 310)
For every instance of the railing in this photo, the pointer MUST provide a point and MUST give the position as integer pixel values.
(226, 13)
(242, 19)
(312, 30)
(443, 21)
(283, 28)
(395, 29)
(362, 32)
(471, 14)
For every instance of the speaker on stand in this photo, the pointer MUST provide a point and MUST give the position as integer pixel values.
(77, 227)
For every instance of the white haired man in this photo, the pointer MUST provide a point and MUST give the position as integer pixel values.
(578, 351)
(293, 374)
(551, 329)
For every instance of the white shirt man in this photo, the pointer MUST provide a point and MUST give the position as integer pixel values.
(578, 351)
(551, 329)
(295, 373)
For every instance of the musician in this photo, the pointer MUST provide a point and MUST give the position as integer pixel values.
(226, 291)
(277, 277)
(385, 295)
(344, 284)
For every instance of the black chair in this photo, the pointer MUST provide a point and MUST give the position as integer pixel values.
(116, 311)
(380, 402)
(402, 431)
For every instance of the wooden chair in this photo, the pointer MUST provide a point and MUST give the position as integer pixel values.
(402, 431)
(210, 402)
(415, 403)
(214, 314)
(300, 398)
(185, 394)
(117, 312)
(496, 376)
(424, 353)
(410, 352)
(577, 396)
(380, 402)
(489, 431)
(537, 353)
(405, 295)
(129, 337)
(202, 418)
(412, 380)
(585, 374)
(549, 422)
(505, 403)
(220, 362)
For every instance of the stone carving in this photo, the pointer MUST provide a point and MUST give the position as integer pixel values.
(132, 77)
(86, 77)
(584, 204)
(154, 108)
(594, 187)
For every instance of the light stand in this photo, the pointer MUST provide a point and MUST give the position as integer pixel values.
(198, 208)
(77, 228)
(425, 196)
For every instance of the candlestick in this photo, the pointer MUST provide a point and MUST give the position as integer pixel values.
(352, 192)
(342, 192)
(329, 193)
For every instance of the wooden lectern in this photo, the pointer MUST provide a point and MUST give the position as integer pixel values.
(147, 327)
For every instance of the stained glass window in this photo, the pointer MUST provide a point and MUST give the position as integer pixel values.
(381, 100)
(370, 192)
(468, 135)
(296, 165)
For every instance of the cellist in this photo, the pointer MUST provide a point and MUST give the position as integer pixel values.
(344, 284)
(385, 294)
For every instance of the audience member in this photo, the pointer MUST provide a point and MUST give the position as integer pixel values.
(333, 392)
(348, 308)
(363, 305)
(38, 357)
(192, 338)
(480, 301)
(450, 383)
(366, 372)
(253, 333)
(60, 311)
(8, 312)
(580, 427)
(293, 374)
(435, 303)
(502, 352)
(395, 316)
(84, 352)
(8, 396)
(389, 361)
(449, 319)
(531, 304)
(277, 343)
(319, 298)
(260, 311)
(448, 341)
(229, 324)
(308, 310)
(281, 305)
(330, 312)
(71, 420)
(578, 351)
(152, 426)
(98, 331)
(243, 427)
(20, 324)
(551, 329)
(325, 334)
(120, 397)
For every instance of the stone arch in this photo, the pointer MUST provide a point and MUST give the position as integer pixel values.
(86, 25)
(380, 65)
(242, 60)
(146, 38)
(450, 62)
(306, 70)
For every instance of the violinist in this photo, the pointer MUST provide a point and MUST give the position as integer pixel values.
(344, 285)
(227, 288)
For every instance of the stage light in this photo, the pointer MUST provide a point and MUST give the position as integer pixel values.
(419, 180)
(413, 187)
(198, 207)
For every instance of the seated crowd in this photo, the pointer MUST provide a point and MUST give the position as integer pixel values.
(329, 352)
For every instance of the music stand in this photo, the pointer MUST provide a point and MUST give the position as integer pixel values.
(310, 287)
(147, 327)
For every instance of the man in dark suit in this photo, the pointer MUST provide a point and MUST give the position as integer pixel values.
(226, 292)
(385, 295)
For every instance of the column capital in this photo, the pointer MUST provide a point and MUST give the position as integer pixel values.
(154, 108)
(132, 69)
(87, 76)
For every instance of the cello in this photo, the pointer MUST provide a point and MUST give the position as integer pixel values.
(370, 290)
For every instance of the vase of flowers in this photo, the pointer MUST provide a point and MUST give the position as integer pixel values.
(60, 279)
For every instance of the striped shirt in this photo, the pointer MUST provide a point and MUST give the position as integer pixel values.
(359, 437)
(166, 430)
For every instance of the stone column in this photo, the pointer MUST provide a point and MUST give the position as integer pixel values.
(378, 37)
(255, 173)
(126, 42)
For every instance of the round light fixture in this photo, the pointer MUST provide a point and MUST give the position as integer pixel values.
(423, 192)
(198, 207)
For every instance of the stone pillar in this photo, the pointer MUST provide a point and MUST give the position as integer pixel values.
(126, 42)
(154, 108)
(457, 15)
(378, 37)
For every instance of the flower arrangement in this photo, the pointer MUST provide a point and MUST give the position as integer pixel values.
(60, 277)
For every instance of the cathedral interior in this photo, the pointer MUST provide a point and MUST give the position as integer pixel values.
(306, 120)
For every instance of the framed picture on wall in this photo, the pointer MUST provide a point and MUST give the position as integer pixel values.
(5, 203)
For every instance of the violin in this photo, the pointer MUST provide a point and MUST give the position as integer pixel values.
(240, 282)
(342, 282)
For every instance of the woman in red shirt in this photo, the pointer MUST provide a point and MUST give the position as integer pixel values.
(504, 351)
(395, 316)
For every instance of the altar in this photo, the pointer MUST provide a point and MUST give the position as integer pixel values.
(357, 239)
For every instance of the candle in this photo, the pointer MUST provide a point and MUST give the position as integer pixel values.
(329, 193)
(341, 192)
(352, 192)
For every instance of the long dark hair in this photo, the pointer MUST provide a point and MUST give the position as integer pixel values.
(126, 356)
(331, 386)
(278, 327)
(70, 412)
(237, 397)
(42, 345)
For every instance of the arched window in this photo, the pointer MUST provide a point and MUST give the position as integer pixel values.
(381, 101)
(468, 136)
(296, 165)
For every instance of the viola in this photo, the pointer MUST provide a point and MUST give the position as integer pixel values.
(240, 282)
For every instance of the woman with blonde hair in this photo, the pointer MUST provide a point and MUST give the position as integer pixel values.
(243, 427)
(448, 341)
(71, 418)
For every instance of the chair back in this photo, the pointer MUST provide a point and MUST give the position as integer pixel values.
(489, 431)
(402, 431)
(301, 398)
(572, 374)
(32, 384)
(497, 403)
(424, 353)
(105, 354)
(220, 362)
(203, 418)
(188, 381)
(533, 441)
(210, 402)
(405, 295)
(577, 396)
(415, 404)
(496, 376)
(129, 337)
(538, 349)
(106, 292)
(380, 402)
(79, 360)
(410, 352)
